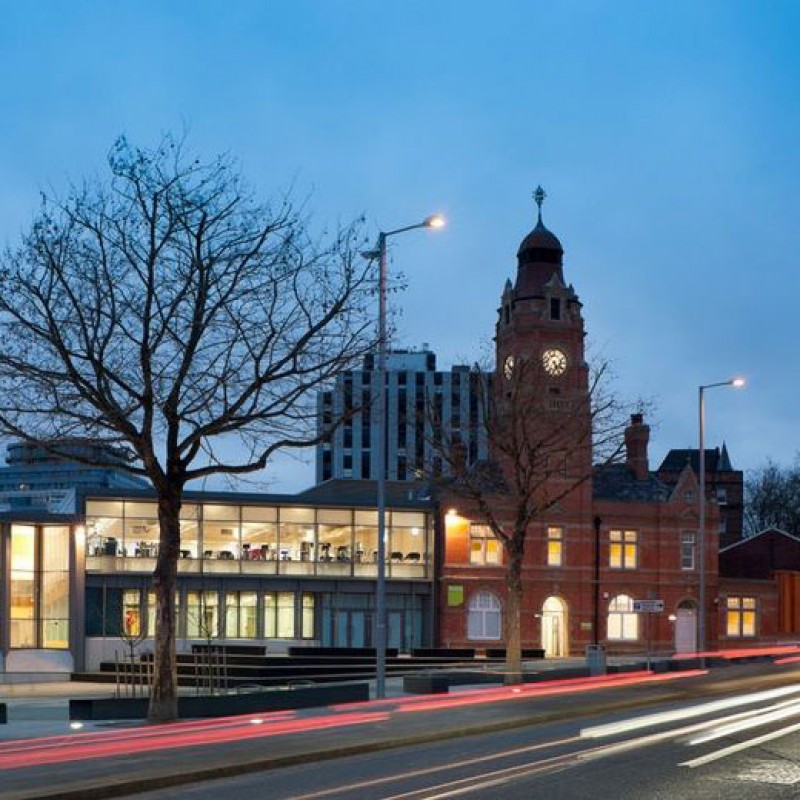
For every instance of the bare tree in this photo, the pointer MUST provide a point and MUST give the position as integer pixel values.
(542, 448)
(772, 498)
(166, 310)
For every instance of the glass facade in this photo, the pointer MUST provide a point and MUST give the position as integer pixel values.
(23, 586)
(346, 620)
(204, 614)
(122, 536)
(39, 590)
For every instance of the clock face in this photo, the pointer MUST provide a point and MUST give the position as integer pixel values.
(554, 361)
(508, 367)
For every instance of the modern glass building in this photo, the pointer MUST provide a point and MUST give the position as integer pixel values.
(278, 570)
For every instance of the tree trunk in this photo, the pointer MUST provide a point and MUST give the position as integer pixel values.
(164, 692)
(513, 616)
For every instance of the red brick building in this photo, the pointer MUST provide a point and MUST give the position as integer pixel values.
(760, 588)
(620, 537)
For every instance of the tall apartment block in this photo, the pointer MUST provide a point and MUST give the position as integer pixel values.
(417, 393)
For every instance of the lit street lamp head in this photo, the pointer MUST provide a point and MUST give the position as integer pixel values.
(738, 383)
(434, 221)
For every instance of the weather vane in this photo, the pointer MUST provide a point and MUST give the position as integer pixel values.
(539, 196)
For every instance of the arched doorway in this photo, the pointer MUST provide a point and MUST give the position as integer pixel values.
(554, 627)
(686, 627)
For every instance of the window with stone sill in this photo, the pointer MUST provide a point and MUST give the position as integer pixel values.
(555, 546)
(688, 544)
(484, 549)
(623, 621)
(623, 549)
(741, 617)
(484, 617)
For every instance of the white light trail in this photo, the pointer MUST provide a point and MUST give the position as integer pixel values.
(737, 748)
(774, 714)
(664, 717)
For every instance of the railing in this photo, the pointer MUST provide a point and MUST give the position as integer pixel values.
(398, 566)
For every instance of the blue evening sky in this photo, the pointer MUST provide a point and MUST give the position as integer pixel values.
(666, 135)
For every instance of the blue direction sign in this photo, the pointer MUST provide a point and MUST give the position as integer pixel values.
(648, 606)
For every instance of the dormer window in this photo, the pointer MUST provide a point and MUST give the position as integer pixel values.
(555, 308)
(507, 314)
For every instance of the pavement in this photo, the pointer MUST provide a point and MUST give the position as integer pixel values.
(42, 710)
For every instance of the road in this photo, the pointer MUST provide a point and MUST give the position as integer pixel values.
(738, 746)
(551, 720)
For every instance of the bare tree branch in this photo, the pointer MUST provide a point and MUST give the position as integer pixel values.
(167, 311)
(544, 442)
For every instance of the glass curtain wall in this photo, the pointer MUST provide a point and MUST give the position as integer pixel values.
(241, 615)
(39, 591)
(286, 540)
(296, 541)
(23, 586)
(221, 536)
(54, 605)
(259, 533)
(408, 543)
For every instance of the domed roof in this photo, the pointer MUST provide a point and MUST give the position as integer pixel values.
(541, 239)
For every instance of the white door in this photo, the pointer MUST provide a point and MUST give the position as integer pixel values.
(554, 627)
(686, 630)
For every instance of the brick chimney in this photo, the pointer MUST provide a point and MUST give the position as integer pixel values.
(637, 435)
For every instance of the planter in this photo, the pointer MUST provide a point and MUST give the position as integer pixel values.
(222, 705)
(426, 684)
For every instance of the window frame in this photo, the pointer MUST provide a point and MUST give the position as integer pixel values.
(622, 619)
(623, 548)
(481, 535)
(688, 547)
(741, 616)
(554, 555)
(484, 617)
(40, 576)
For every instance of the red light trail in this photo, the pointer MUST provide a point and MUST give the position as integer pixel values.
(147, 738)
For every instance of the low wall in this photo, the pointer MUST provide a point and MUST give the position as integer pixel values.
(193, 707)
(59, 662)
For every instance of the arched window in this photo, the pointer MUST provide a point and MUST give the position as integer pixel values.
(485, 618)
(623, 623)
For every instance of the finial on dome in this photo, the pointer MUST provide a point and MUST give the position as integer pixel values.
(539, 196)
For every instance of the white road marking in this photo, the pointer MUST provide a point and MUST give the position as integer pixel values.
(737, 748)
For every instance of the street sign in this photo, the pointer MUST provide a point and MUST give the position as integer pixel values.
(648, 606)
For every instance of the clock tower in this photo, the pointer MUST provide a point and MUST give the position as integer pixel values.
(540, 325)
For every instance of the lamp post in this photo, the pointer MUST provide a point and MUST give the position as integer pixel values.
(701, 512)
(434, 221)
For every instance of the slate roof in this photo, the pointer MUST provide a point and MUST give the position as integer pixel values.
(347, 492)
(716, 460)
(342, 493)
(617, 482)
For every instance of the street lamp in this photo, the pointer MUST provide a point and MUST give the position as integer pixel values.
(737, 383)
(433, 221)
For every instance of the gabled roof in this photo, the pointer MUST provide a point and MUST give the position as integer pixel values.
(617, 482)
(744, 540)
(687, 482)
